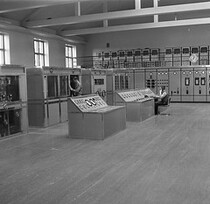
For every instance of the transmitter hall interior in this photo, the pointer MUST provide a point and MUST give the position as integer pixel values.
(105, 101)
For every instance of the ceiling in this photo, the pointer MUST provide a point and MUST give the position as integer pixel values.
(67, 18)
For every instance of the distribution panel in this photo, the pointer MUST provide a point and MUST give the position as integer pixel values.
(177, 57)
(168, 57)
(114, 60)
(118, 79)
(137, 58)
(187, 85)
(123, 79)
(175, 84)
(106, 59)
(155, 58)
(121, 55)
(199, 84)
(146, 57)
(151, 80)
(194, 58)
(98, 80)
(185, 56)
(162, 78)
(204, 55)
(129, 58)
(97, 61)
(94, 82)
(139, 78)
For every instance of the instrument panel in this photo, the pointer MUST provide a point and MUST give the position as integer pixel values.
(89, 103)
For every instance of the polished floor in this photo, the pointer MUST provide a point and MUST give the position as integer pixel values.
(163, 160)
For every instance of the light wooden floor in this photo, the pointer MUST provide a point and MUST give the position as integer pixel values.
(163, 160)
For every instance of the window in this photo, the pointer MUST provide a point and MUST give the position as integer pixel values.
(4, 49)
(70, 52)
(41, 56)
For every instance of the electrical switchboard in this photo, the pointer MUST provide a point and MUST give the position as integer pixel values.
(194, 58)
(177, 57)
(137, 58)
(162, 79)
(139, 78)
(129, 59)
(168, 57)
(199, 84)
(114, 60)
(98, 80)
(187, 85)
(106, 59)
(151, 79)
(146, 57)
(118, 79)
(155, 58)
(121, 55)
(175, 84)
(97, 61)
(204, 55)
(185, 56)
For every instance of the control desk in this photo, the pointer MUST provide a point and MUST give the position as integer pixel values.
(91, 118)
(138, 108)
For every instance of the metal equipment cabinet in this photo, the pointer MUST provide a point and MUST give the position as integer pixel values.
(118, 79)
(48, 90)
(91, 118)
(138, 108)
(94, 82)
(13, 100)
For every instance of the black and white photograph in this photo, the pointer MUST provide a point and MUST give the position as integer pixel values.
(104, 102)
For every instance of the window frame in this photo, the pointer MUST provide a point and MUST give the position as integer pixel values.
(5, 49)
(70, 56)
(41, 53)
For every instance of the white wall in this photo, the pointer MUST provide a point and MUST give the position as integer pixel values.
(22, 53)
(151, 38)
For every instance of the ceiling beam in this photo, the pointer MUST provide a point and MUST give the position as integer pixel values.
(105, 10)
(155, 2)
(77, 9)
(32, 12)
(19, 5)
(119, 14)
(9, 21)
(198, 21)
(137, 4)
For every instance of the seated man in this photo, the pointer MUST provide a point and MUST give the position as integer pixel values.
(162, 99)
